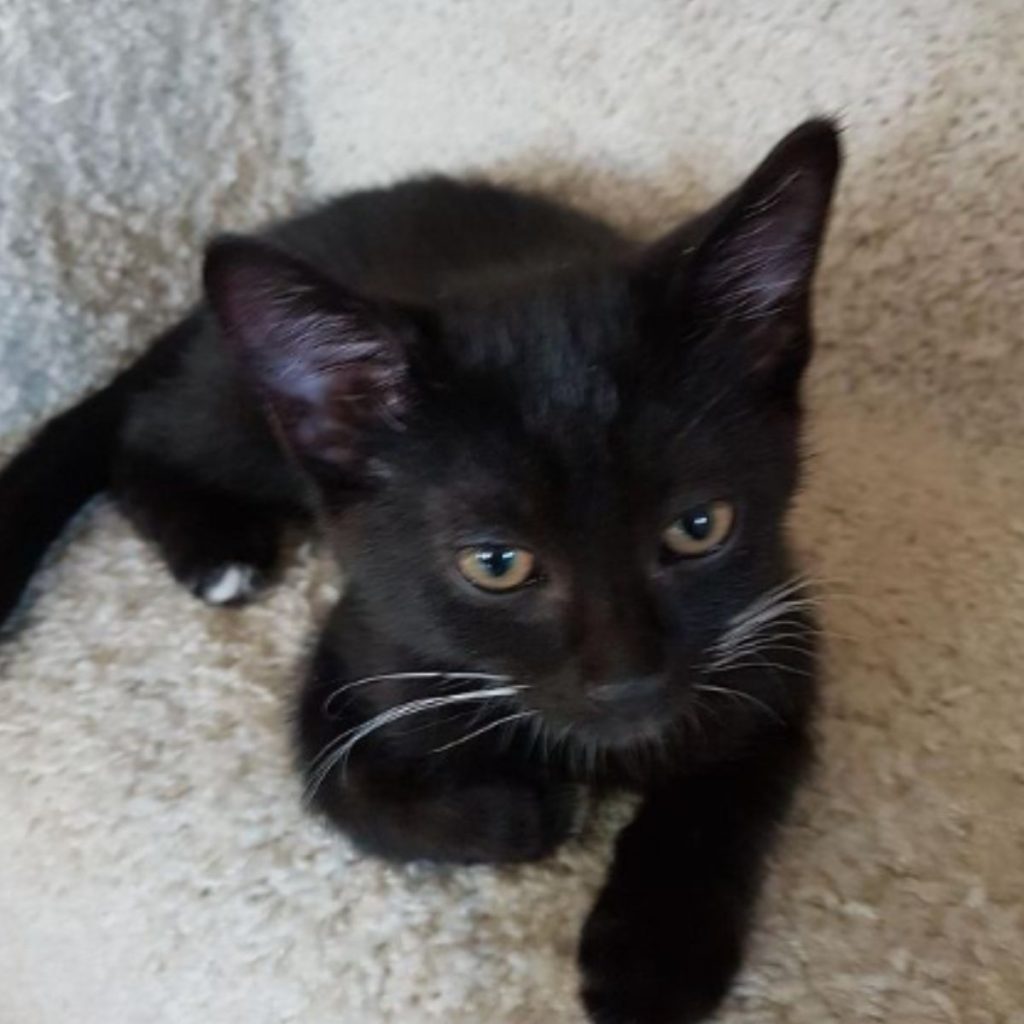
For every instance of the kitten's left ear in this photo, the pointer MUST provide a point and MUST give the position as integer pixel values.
(751, 259)
(760, 257)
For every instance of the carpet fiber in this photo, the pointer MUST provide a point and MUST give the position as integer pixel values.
(154, 863)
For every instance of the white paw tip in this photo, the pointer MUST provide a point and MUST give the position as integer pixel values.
(229, 584)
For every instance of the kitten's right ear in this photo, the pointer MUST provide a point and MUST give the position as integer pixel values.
(329, 365)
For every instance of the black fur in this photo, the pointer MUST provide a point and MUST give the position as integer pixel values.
(441, 365)
(63, 466)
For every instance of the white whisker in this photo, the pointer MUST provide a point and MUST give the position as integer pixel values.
(752, 620)
(761, 662)
(741, 694)
(776, 621)
(409, 676)
(774, 605)
(506, 720)
(768, 643)
(339, 749)
(784, 636)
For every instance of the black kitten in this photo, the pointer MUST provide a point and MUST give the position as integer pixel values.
(555, 465)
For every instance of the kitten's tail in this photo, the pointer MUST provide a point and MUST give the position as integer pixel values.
(67, 462)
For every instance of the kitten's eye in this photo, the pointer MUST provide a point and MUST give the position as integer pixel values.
(496, 567)
(700, 530)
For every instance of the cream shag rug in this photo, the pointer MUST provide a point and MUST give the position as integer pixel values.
(154, 863)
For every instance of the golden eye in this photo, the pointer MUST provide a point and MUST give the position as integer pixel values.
(700, 530)
(496, 567)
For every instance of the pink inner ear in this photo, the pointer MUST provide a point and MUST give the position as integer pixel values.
(760, 259)
(326, 364)
(766, 259)
(336, 379)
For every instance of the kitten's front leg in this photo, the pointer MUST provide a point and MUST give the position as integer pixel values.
(666, 936)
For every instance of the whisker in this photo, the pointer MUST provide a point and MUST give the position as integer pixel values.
(765, 663)
(458, 715)
(772, 622)
(728, 691)
(340, 748)
(507, 719)
(693, 713)
(770, 619)
(409, 676)
(725, 658)
(802, 625)
(792, 585)
(399, 711)
(761, 636)
(760, 610)
(769, 612)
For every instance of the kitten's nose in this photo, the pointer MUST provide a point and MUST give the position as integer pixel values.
(629, 696)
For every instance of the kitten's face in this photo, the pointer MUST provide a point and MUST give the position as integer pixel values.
(579, 487)
(592, 545)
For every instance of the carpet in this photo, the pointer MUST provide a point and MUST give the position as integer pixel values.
(155, 865)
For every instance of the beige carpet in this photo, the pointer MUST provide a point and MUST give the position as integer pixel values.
(154, 864)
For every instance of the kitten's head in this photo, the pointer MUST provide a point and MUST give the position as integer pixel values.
(579, 485)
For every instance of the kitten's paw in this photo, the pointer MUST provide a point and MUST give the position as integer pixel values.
(642, 967)
(228, 585)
